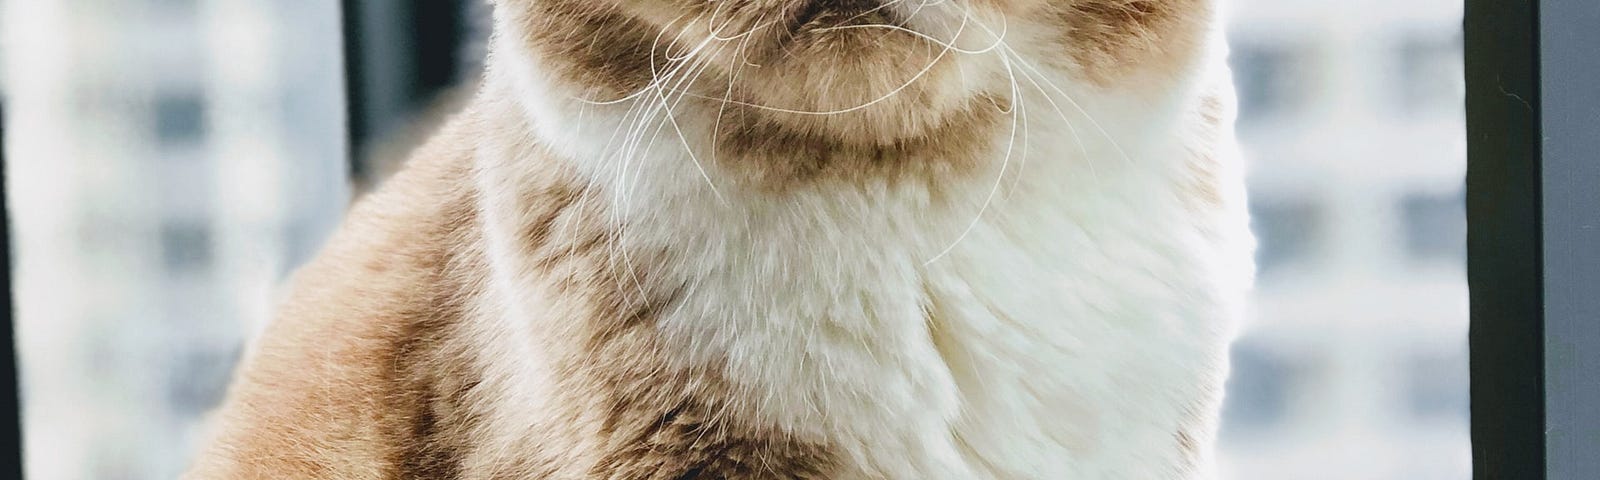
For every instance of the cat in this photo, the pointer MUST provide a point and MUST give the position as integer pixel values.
(816, 239)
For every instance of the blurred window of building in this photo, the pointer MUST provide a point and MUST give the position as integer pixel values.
(180, 118)
(186, 246)
(1436, 385)
(1431, 74)
(169, 162)
(1269, 77)
(203, 375)
(1287, 231)
(1260, 388)
(1353, 364)
(1435, 226)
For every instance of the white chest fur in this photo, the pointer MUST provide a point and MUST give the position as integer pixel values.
(1064, 315)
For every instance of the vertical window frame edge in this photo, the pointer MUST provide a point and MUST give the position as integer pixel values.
(11, 446)
(1504, 239)
(1533, 229)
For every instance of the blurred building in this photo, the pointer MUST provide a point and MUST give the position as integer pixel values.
(169, 162)
(1355, 363)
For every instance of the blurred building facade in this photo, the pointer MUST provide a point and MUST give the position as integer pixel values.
(170, 160)
(1354, 365)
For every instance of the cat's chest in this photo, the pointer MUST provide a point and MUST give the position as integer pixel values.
(1068, 342)
(1088, 354)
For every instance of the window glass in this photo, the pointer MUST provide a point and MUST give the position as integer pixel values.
(1287, 230)
(180, 119)
(1261, 387)
(1434, 226)
(1429, 62)
(185, 246)
(1269, 77)
(1353, 362)
(169, 160)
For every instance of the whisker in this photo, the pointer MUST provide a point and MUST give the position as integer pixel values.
(943, 43)
(944, 52)
(1083, 148)
(632, 150)
(727, 96)
(864, 14)
(683, 138)
(1086, 115)
(999, 178)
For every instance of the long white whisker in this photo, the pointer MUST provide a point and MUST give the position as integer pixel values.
(1034, 76)
(943, 52)
(1074, 103)
(637, 133)
(999, 178)
(1071, 128)
(684, 139)
(949, 44)
(727, 96)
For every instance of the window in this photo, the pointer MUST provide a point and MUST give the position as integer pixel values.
(1287, 231)
(1261, 388)
(1270, 78)
(149, 212)
(186, 246)
(1321, 387)
(1534, 212)
(180, 119)
(200, 377)
(1436, 385)
(1435, 226)
(1430, 73)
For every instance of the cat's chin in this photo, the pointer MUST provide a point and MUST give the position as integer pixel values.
(865, 84)
(887, 123)
(871, 99)
(864, 72)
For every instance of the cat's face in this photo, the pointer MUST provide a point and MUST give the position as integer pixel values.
(867, 71)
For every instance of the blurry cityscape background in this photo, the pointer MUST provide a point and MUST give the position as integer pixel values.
(1354, 366)
(171, 161)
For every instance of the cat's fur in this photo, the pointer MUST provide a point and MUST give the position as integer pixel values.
(675, 239)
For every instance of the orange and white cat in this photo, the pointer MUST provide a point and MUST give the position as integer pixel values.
(741, 239)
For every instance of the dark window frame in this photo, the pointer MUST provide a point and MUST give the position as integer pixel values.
(1533, 209)
(402, 55)
(10, 387)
